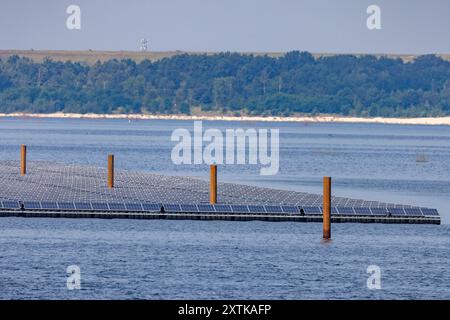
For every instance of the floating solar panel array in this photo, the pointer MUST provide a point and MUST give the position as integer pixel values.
(53, 182)
(71, 188)
(217, 208)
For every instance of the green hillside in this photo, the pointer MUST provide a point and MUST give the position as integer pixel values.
(224, 83)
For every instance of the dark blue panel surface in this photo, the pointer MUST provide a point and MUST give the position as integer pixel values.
(117, 206)
(11, 204)
(239, 208)
(189, 208)
(413, 212)
(66, 205)
(396, 211)
(151, 207)
(273, 209)
(83, 206)
(100, 206)
(206, 208)
(290, 209)
(379, 211)
(346, 210)
(133, 206)
(312, 210)
(172, 207)
(32, 205)
(49, 205)
(222, 208)
(362, 211)
(429, 212)
(256, 209)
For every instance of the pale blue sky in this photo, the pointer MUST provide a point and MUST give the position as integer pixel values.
(408, 26)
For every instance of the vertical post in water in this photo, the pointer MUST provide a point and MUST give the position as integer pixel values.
(23, 160)
(110, 171)
(213, 184)
(326, 207)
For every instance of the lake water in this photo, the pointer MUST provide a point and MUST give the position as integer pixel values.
(190, 259)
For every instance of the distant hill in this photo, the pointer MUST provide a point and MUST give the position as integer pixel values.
(263, 84)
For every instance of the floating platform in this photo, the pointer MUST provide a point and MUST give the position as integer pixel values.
(74, 191)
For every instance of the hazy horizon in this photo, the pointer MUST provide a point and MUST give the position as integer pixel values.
(223, 51)
(320, 26)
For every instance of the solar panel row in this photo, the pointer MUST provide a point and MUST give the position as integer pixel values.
(80, 206)
(272, 209)
(219, 208)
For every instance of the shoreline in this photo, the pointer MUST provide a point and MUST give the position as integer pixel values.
(305, 119)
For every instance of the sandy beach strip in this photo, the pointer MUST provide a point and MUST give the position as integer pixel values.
(310, 119)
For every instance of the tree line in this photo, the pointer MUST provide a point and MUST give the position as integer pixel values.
(231, 83)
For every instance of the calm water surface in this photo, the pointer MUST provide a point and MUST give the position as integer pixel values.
(188, 259)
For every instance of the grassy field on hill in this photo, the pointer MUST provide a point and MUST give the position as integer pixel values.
(90, 57)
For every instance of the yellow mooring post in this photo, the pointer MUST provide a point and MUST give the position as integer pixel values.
(213, 184)
(110, 171)
(326, 207)
(23, 160)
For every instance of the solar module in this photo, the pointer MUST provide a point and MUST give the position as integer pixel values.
(413, 212)
(172, 207)
(239, 208)
(133, 207)
(32, 205)
(256, 209)
(362, 211)
(66, 206)
(100, 206)
(49, 205)
(290, 209)
(205, 208)
(379, 211)
(429, 212)
(189, 208)
(312, 210)
(11, 204)
(117, 206)
(83, 206)
(222, 208)
(273, 209)
(346, 210)
(149, 206)
(396, 211)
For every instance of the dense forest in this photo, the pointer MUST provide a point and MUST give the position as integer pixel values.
(231, 83)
